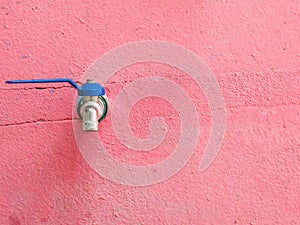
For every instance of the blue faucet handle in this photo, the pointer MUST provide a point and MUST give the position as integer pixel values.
(87, 89)
(91, 89)
(54, 80)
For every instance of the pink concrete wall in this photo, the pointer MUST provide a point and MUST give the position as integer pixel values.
(253, 49)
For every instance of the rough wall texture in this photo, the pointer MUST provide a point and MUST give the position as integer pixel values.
(253, 49)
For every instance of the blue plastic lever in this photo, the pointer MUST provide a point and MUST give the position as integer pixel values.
(54, 80)
(87, 89)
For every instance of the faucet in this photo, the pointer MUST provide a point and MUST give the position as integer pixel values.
(92, 105)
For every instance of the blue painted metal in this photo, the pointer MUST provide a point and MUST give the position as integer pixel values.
(54, 80)
(91, 89)
(87, 89)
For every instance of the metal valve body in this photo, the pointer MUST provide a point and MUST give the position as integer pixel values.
(92, 110)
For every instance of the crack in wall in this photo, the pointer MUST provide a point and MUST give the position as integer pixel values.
(42, 121)
(217, 76)
(32, 88)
